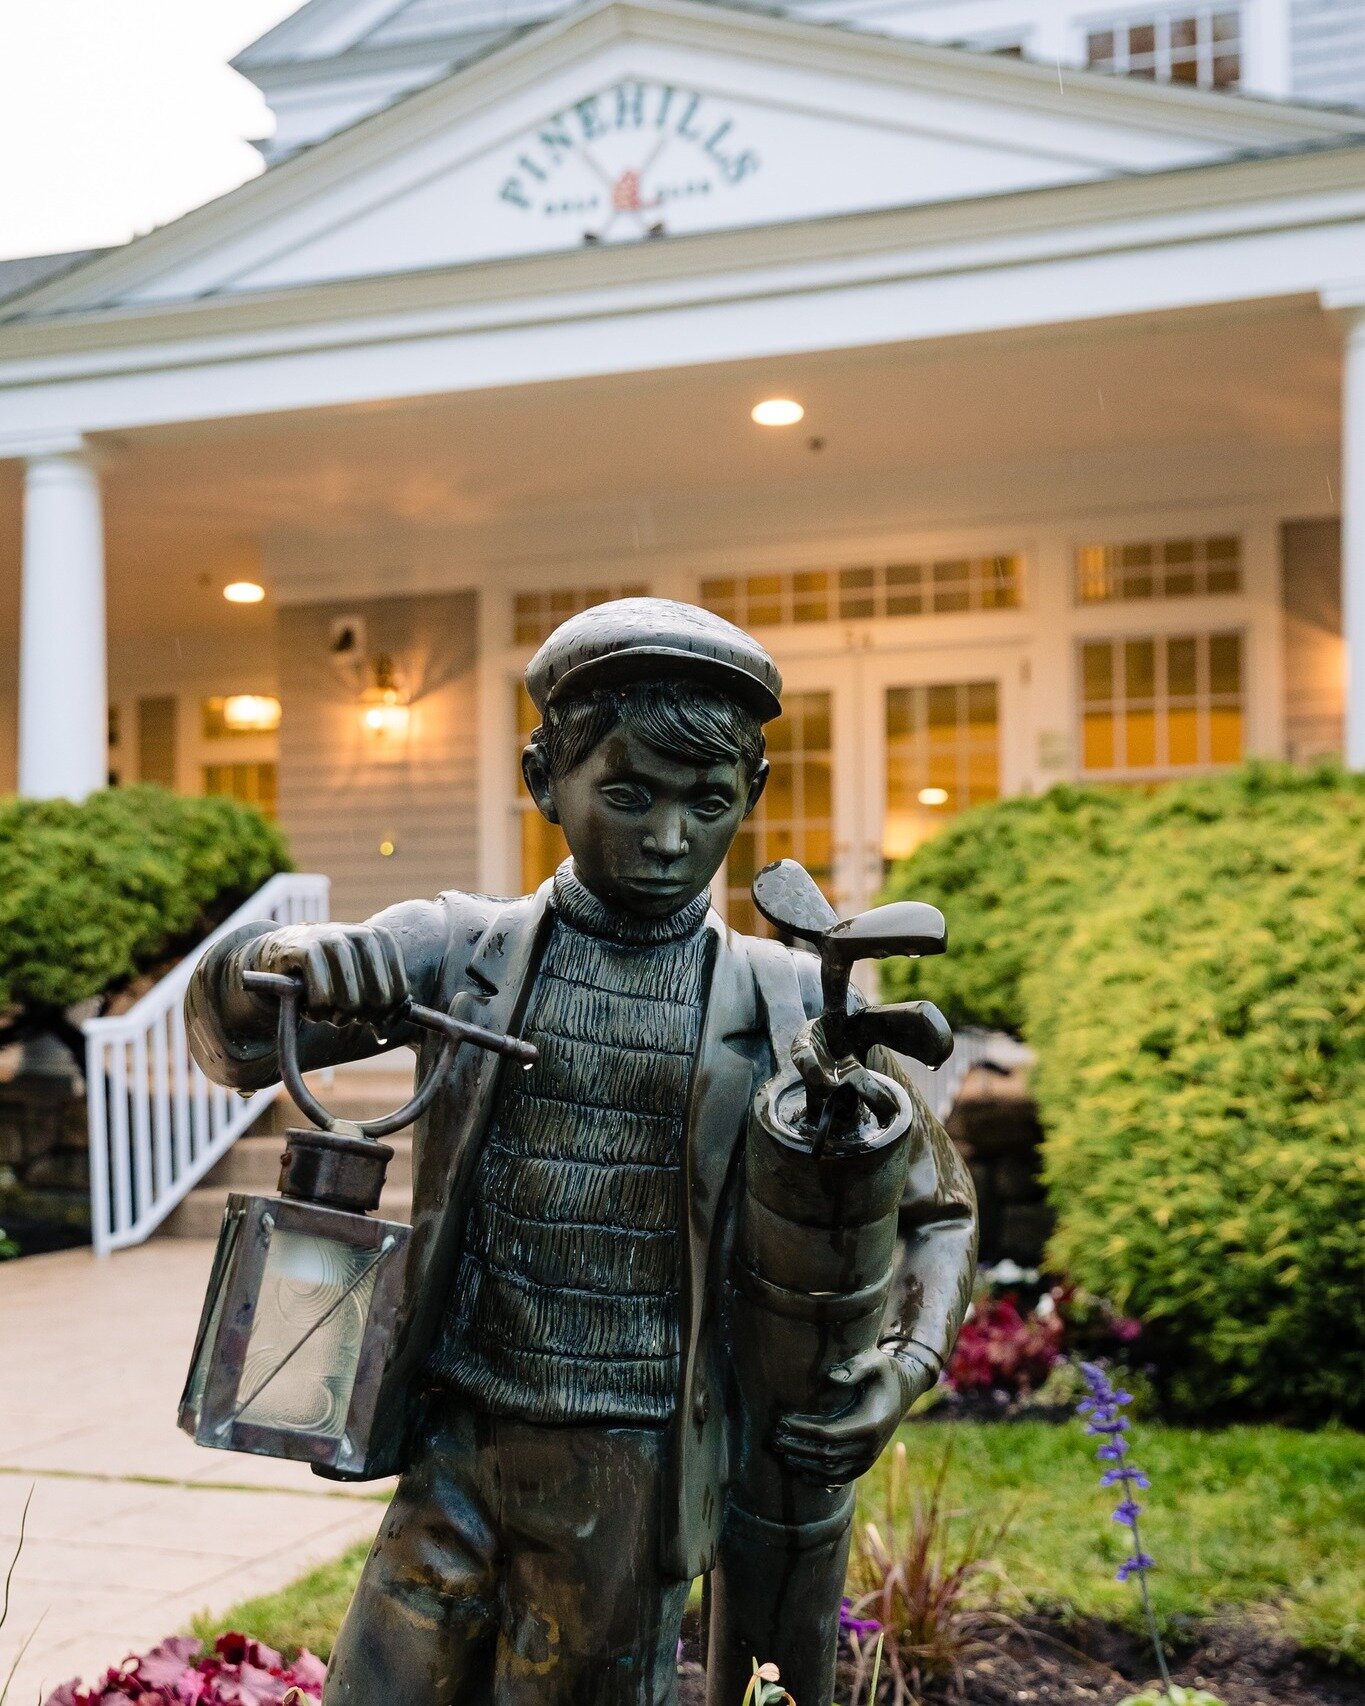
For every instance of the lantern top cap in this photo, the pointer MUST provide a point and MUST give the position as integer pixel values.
(642, 639)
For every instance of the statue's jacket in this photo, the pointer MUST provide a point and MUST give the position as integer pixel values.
(478, 957)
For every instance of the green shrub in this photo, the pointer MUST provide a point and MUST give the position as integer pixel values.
(90, 894)
(1187, 963)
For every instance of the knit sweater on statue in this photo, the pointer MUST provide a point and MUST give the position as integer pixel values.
(566, 1303)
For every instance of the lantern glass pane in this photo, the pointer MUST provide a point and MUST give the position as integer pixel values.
(314, 1301)
(208, 1340)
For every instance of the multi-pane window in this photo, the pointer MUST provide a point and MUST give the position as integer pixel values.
(1158, 703)
(1158, 568)
(536, 615)
(866, 591)
(253, 784)
(1192, 44)
(795, 817)
(543, 847)
(942, 755)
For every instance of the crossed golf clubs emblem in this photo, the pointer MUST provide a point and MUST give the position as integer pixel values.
(627, 196)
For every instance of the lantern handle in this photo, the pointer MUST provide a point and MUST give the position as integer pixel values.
(288, 991)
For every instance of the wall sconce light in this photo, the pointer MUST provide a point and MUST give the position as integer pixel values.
(385, 712)
(251, 713)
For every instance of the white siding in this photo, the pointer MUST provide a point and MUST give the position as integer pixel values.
(1328, 50)
(339, 800)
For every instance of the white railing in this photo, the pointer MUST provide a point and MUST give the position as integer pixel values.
(940, 1089)
(157, 1124)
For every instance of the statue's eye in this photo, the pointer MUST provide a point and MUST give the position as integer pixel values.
(712, 806)
(625, 797)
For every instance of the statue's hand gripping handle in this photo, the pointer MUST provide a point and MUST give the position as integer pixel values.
(289, 993)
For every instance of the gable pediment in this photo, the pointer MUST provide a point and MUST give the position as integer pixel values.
(640, 118)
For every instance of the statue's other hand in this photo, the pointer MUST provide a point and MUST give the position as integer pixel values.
(835, 1448)
(348, 971)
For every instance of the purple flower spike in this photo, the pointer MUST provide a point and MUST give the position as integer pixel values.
(1103, 1413)
(858, 1627)
(1127, 1475)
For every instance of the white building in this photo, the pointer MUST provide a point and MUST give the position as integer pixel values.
(1079, 490)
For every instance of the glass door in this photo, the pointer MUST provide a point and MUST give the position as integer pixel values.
(795, 818)
(873, 754)
(937, 726)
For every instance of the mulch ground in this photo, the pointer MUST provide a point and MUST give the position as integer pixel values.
(1097, 1664)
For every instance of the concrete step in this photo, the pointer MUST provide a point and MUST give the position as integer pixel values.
(252, 1165)
(201, 1213)
(352, 1094)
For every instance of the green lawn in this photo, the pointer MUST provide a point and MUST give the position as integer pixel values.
(1254, 1517)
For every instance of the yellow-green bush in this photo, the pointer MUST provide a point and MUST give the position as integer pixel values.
(90, 894)
(1188, 965)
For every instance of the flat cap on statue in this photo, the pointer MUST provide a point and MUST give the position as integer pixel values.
(641, 639)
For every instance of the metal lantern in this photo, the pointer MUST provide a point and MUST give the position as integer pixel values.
(300, 1310)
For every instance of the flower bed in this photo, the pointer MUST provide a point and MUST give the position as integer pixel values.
(237, 1671)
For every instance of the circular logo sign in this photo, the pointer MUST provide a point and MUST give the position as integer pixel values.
(625, 162)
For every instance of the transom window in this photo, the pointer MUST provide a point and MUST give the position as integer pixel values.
(866, 591)
(1196, 44)
(1158, 703)
(536, 615)
(1158, 568)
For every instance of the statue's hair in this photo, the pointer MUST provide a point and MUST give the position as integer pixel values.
(679, 719)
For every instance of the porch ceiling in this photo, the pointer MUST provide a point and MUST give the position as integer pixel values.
(188, 508)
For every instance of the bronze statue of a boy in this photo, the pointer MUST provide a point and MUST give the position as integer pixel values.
(574, 1384)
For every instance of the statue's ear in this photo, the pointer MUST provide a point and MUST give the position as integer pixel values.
(537, 776)
(756, 787)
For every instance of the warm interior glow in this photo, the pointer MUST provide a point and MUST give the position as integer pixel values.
(251, 713)
(243, 592)
(777, 411)
(932, 796)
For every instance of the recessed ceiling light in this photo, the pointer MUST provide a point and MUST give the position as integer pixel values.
(933, 796)
(777, 411)
(243, 592)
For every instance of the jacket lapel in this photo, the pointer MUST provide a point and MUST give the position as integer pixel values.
(723, 1078)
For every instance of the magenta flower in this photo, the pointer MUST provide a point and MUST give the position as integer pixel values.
(238, 1672)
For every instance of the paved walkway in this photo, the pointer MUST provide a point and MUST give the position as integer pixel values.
(132, 1529)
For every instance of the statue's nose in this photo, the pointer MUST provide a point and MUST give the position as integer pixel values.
(666, 838)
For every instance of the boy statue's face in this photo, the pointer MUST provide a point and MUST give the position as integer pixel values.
(647, 833)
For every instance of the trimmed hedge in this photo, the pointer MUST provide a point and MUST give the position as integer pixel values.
(1188, 965)
(91, 894)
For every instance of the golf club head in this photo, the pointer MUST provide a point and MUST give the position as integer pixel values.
(916, 1028)
(910, 927)
(787, 896)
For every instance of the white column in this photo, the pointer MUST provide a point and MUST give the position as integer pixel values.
(1055, 38)
(1353, 535)
(1267, 63)
(63, 714)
